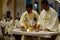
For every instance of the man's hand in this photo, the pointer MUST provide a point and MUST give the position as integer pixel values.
(37, 27)
(46, 29)
(22, 27)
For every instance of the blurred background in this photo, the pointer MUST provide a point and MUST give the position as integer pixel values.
(17, 7)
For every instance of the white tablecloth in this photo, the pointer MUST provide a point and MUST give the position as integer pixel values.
(38, 34)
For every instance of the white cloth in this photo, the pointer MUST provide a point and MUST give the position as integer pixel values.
(0, 28)
(49, 19)
(26, 18)
(17, 23)
(32, 22)
(10, 26)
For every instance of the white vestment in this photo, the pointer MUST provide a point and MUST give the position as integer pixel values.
(49, 19)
